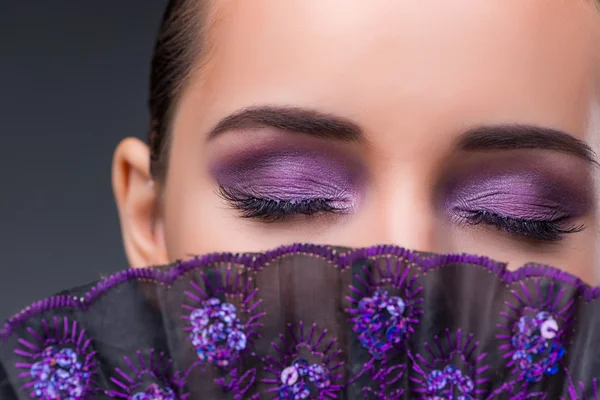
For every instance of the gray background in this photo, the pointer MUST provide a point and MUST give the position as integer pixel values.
(73, 82)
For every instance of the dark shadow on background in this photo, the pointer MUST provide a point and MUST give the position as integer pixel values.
(73, 82)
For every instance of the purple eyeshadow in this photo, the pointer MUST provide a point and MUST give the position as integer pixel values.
(288, 174)
(528, 195)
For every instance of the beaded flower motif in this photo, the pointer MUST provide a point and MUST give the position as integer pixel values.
(157, 368)
(448, 381)
(535, 352)
(59, 374)
(383, 320)
(437, 372)
(298, 378)
(61, 363)
(535, 330)
(155, 392)
(217, 333)
(215, 326)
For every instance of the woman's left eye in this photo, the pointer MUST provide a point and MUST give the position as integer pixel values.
(271, 210)
(550, 230)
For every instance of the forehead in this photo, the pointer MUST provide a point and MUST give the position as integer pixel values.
(513, 59)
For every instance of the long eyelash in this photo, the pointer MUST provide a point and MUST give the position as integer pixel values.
(551, 231)
(275, 210)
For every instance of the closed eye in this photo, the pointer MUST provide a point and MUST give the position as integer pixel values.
(550, 230)
(272, 210)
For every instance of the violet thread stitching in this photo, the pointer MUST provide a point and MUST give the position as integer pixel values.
(384, 309)
(308, 365)
(60, 361)
(453, 370)
(167, 384)
(255, 261)
(536, 329)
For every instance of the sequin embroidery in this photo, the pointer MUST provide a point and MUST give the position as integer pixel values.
(450, 383)
(297, 378)
(166, 383)
(155, 392)
(437, 372)
(60, 374)
(61, 362)
(535, 352)
(535, 315)
(385, 300)
(217, 333)
(380, 322)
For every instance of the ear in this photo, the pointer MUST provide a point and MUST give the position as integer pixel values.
(138, 199)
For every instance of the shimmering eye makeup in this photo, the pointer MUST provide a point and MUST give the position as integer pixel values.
(280, 179)
(523, 199)
(522, 195)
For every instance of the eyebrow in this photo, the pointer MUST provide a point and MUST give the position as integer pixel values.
(328, 126)
(293, 120)
(515, 137)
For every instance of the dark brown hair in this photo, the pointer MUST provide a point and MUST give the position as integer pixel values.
(177, 51)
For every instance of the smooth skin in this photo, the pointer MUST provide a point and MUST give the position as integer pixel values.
(413, 75)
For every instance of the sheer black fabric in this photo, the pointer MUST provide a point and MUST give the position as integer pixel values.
(311, 322)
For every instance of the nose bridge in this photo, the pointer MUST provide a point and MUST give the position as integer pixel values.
(405, 215)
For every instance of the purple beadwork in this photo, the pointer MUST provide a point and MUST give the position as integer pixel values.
(298, 378)
(155, 392)
(217, 333)
(536, 331)
(450, 383)
(437, 372)
(59, 374)
(381, 322)
(384, 319)
(61, 363)
(215, 326)
(535, 352)
(167, 384)
(222, 324)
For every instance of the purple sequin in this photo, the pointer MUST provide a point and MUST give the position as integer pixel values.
(538, 324)
(450, 383)
(61, 363)
(535, 352)
(437, 374)
(155, 392)
(167, 384)
(384, 318)
(536, 330)
(380, 322)
(298, 378)
(220, 331)
(59, 374)
(217, 333)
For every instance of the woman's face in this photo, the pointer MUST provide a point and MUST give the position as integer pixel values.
(446, 126)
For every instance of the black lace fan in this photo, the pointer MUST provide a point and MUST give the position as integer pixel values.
(311, 322)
